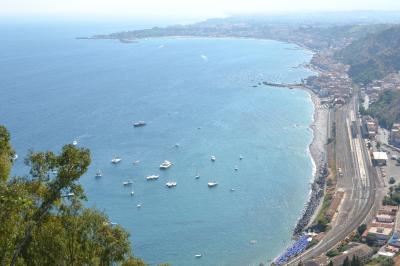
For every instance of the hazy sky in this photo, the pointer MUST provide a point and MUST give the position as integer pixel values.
(182, 8)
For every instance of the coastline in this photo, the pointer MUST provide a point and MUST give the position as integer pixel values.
(317, 153)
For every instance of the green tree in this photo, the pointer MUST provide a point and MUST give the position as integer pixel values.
(361, 229)
(42, 218)
(6, 154)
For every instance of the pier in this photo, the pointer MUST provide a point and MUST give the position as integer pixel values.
(285, 85)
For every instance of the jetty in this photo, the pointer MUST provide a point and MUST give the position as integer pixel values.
(285, 85)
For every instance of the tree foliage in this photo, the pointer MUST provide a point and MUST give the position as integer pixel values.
(42, 219)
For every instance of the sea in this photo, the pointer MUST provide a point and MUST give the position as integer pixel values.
(199, 98)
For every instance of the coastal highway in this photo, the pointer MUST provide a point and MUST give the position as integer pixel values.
(363, 189)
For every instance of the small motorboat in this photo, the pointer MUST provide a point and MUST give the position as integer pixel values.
(197, 176)
(71, 194)
(152, 177)
(132, 193)
(240, 157)
(236, 168)
(15, 157)
(165, 165)
(75, 142)
(136, 162)
(98, 174)
(139, 205)
(232, 189)
(176, 145)
(213, 158)
(139, 124)
(116, 160)
(212, 184)
(198, 256)
(171, 184)
(127, 183)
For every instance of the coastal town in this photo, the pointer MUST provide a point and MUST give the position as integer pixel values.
(377, 237)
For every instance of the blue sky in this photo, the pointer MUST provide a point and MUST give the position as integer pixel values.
(181, 8)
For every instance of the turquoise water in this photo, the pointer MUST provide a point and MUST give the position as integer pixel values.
(196, 92)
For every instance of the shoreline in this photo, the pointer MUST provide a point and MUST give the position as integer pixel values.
(317, 153)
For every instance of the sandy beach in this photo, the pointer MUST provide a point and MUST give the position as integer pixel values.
(317, 151)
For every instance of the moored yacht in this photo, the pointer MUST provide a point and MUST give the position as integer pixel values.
(171, 184)
(127, 183)
(212, 184)
(139, 124)
(213, 158)
(165, 165)
(98, 174)
(75, 142)
(116, 160)
(152, 177)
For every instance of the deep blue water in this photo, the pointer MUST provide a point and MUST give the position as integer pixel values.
(195, 92)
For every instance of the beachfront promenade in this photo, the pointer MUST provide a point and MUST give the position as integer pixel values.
(363, 189)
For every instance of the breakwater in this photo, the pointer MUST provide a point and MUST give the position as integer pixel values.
(285, 85)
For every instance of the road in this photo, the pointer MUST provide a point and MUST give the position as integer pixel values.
(363, 189)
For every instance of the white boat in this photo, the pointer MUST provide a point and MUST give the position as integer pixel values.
(213, 158)
(139, 124)
(15, 157)
(75, 142)
(132, 193)
(240, 157)
(152, 177)
(232, 189)
(197, 256)
(71, 194)
(171, 184)
(197, 176)
(116, 160)
(127, 183)
(165, 165)
(136, 162)
(253, 242)
(99, 174)
(139, 205)
(236, 168)
(212, 184)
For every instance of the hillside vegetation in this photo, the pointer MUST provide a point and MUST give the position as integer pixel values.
(387, 108)
(373, 56)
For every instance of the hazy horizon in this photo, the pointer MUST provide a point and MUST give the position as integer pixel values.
(187, 11)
